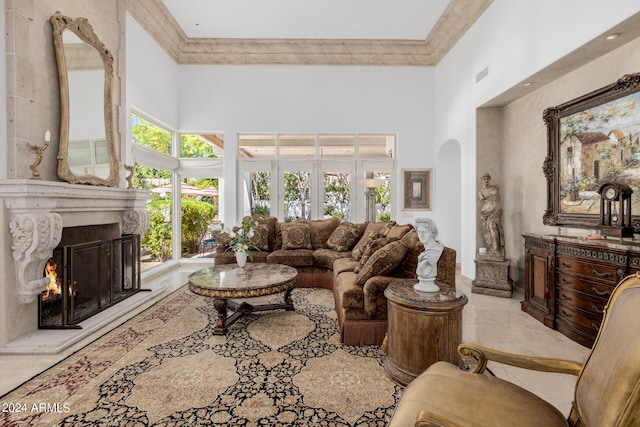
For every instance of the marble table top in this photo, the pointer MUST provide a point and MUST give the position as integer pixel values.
(231, 281)
(404, 293)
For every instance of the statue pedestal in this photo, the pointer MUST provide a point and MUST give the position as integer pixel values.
(492, 277)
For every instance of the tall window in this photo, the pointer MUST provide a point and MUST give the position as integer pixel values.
(198, 146)
(157, 244)
(297, 194)
(150, 135)
(182, 172)
(337, 195)
(257, 193)
(317, 174)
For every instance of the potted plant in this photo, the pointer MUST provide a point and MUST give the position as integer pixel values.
(241, 244)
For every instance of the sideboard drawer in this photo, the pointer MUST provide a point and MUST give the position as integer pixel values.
(587, 321)
(589, 287)
(588, 303)
(588, 269)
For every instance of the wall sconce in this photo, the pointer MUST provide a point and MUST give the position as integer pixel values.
(370, 184)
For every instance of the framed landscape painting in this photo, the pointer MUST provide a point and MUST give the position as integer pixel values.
(417, 189)
(592, 140)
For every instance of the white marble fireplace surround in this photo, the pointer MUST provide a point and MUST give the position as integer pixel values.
(33, 215)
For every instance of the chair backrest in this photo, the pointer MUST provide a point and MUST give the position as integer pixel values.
(608, 388)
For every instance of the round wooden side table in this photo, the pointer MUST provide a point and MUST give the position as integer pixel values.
(423, 328)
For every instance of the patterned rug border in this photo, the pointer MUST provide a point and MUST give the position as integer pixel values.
(113, 330)
(276, 377)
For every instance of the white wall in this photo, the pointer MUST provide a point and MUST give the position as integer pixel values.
(515, 38)
(447, 200)
(152, 82)
(333, 99)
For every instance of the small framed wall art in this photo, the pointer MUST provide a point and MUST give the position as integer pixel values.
(417, 189)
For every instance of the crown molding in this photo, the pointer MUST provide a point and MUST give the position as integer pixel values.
(457, 18)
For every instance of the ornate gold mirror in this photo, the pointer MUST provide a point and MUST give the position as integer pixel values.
(87, 151)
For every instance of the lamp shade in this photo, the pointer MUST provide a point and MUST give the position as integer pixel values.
(371, 182)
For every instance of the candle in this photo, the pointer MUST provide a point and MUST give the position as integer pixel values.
(47, 136)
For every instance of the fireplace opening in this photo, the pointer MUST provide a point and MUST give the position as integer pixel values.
(87, 278)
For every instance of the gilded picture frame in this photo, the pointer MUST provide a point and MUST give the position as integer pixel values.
(590, 140)
(417, 189)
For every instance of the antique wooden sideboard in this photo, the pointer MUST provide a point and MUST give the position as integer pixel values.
(568, 280)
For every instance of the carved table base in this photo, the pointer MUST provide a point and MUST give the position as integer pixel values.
(241, 309)
(226, 282)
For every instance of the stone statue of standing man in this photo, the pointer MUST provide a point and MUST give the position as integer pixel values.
(491, 217)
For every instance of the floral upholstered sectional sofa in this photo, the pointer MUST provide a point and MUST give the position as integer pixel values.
(356, 261)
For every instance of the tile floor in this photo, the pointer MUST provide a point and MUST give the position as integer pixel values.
(490, 321)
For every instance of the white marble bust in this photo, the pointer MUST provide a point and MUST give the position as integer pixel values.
(427, 268)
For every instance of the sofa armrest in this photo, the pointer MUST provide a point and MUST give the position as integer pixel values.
(544, 364)
(374, 287)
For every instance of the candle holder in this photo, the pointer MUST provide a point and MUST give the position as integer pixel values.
(38, 150)
(132, 170)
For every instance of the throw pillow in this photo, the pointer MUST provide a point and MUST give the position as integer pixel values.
(296, 235)
(321, 230)
(269, 221)
(379, 228)
(358, 250)
(407, 268)
(382, 261)
(372, 247)
(260, 236)
(278, 233)
(344, 237)
(397, 231)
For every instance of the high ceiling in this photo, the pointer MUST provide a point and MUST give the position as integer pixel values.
(296, 19)
(304, 32)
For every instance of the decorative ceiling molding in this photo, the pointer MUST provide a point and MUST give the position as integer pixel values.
(457, 18)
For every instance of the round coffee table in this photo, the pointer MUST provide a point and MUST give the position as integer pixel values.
(224, 282)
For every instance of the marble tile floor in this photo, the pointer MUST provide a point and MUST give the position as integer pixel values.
(491, 321)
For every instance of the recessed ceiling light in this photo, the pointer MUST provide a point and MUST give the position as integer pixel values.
(612, 36)
(527, 84)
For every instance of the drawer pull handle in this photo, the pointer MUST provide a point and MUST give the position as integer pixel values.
(596, 327)
(566, 298)
(565, 281)
(597, 273)
(601, 293)
(565, 314)
(566, 264)
(597, 310)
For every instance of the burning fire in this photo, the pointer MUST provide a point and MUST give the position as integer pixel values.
(53, 287)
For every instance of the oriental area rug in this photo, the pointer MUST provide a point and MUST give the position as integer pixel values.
(165, 367)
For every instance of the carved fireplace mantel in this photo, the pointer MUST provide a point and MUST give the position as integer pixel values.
(38, 211)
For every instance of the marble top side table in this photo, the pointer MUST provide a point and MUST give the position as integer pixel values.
(423, 329)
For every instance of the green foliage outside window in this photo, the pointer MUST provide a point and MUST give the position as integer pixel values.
(158, 237)
(147, 134)
(197, 217)
(195, 147)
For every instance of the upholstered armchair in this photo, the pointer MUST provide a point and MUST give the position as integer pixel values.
(606, 393)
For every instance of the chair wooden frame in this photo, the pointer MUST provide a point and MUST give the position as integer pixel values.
(607, 391)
